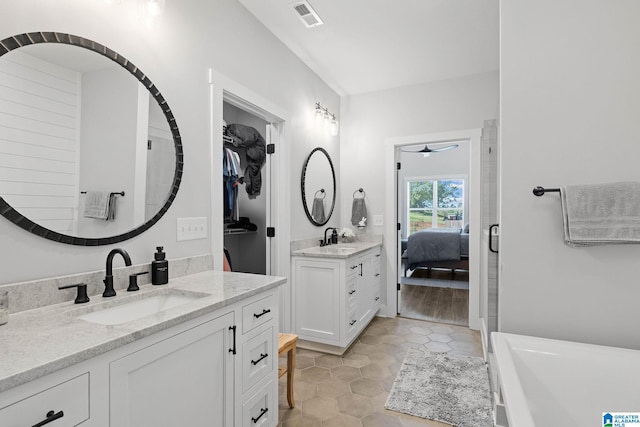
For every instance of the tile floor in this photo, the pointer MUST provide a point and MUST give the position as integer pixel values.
(350, 391)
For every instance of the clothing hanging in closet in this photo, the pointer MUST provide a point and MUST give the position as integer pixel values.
(255, 154)
(232, 177)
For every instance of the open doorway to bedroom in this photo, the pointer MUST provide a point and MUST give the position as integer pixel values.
(433, 213)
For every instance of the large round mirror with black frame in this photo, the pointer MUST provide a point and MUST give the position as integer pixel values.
(90, 151)
(318, 186)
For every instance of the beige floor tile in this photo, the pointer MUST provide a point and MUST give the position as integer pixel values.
(333, 388)
(350, 391)
(342, 420)
(366, 387)
(320, 408)
(355, 405)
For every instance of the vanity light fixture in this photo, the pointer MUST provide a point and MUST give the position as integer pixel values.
(326, 119)
(150, 10)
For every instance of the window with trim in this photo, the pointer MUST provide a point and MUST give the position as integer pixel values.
(435, 203)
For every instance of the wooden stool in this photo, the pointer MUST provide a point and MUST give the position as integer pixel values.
(287, 344)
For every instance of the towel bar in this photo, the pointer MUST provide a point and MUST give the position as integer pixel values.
(119, 193)
(539, 191)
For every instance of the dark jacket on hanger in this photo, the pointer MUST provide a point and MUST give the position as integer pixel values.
(255, 147)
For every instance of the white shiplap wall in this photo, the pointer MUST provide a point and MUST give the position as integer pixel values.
(38, 139)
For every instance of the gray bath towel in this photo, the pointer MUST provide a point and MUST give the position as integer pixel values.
(601, 214)
(359, 212)
(317, 210)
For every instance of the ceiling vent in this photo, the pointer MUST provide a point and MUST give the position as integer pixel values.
(307, 14)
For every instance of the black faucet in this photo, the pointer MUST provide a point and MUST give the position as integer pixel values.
(332, 240)
(108, 280)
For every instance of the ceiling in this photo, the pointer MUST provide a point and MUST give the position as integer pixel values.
(372, 45)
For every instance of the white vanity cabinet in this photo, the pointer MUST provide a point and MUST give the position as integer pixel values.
(64, 403)
(335, 298)
(218, 369)
(186, 379)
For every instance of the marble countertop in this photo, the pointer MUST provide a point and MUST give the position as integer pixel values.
(37, 342)
(340, 250)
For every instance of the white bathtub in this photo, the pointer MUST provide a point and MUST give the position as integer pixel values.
(548, 382)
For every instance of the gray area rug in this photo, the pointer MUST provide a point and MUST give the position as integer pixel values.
(440, 387)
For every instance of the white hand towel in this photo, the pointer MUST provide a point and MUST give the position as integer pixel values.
(96, 204)
(601, 214)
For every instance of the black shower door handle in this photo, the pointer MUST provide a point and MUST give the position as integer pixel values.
(491, 227)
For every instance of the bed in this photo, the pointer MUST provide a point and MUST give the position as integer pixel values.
(436, 248)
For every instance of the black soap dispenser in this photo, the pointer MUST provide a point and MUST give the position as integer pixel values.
(160, 268)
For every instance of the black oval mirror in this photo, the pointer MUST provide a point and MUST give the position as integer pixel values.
(318, 185)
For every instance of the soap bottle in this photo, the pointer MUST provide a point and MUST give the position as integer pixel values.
(159, 268)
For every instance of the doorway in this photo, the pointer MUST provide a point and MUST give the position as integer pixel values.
(247, 203)
(223, 90)
(393, 233)
(433, 211)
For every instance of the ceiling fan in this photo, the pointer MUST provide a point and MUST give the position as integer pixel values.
(426, 150)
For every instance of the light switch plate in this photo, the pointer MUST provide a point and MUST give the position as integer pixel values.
(378, 220)
(191, 228)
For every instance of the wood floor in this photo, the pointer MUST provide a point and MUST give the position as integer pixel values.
(437, 301)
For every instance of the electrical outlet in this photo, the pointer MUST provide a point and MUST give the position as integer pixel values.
(378, 220)
(191, 228)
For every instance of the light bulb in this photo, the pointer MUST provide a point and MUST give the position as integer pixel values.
(153, 8)
(319, 115)
(334, 126)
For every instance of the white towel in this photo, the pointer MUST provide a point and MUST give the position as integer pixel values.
(601, 214)
(96, 204)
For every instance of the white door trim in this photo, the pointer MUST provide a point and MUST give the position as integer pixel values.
(390, 232)
(224, 89)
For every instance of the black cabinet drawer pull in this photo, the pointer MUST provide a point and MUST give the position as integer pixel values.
(262, 412)
(233, 350)
(377, 274)
(377, 298)
(51, 416)
(352, 323)
(351, 292)
(353, 267)
(264, 311)
(262, 356)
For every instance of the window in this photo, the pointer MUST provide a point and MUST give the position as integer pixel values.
(435, 203)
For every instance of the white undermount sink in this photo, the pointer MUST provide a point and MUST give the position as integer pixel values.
(146, 305)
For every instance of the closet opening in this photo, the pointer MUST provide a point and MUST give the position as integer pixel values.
(250, 137)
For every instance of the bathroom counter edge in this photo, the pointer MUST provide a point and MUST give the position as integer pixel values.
(38, 342)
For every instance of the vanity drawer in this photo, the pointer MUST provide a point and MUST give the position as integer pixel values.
(258, 356)
(70, 398)
(261, 409)
(258, 312)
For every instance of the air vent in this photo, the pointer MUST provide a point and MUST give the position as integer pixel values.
(307, 14)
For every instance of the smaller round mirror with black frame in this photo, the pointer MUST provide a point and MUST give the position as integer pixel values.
(318, 186)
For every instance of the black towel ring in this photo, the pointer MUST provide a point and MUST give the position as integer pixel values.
(324, 194)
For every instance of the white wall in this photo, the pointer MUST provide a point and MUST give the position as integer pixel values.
(176, 55)
(108, 147)
(369, 119)
(570, 100)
